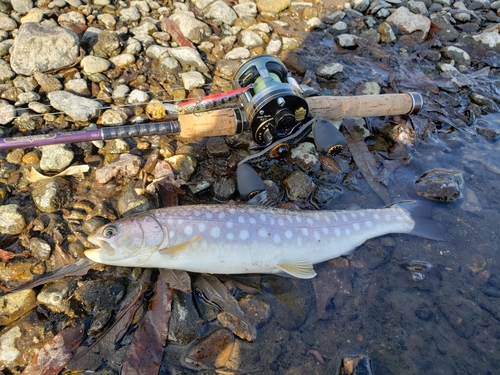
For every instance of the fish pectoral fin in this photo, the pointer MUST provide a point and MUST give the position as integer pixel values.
(301, 268)
(177, 249)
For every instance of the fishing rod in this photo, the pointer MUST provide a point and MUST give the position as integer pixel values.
(273, 106)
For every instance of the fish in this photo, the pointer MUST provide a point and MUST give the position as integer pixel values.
(243, 239)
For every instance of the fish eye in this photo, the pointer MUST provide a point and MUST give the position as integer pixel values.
(109, 232)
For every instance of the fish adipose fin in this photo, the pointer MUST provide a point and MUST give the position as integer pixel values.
(177, 249)
(301, 268)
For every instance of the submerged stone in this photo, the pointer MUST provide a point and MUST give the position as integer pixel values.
(440, 185)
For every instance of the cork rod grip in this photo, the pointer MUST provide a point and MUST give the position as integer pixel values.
(339, 107)
(211, 124)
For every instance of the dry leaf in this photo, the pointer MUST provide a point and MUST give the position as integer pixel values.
(75, 170)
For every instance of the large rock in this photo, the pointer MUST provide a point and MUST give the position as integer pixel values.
(409, 22)
(79, 108)
(42, 48)
(193, 29)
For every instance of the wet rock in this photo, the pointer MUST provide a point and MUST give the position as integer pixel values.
(210, 352)
(456, 54)
(185, 323)
(98, 295)
(217, 148)
(305, 157)
(476, 263)
(129, 203)
(324, 194)
(330, 71)
(52, 194)
(56, 296)
(224, 188)
(40, 248)
(409, 22)
(255, 309)
(39, 47)
(79, 108)
(56, 158)
(440, 185)
(126, 165)
(12, 221)
(16, 304)
(488, 133)
(425, 314)
(184, 165)
(346, 41)
(299, 186)
(490, 39)
(485, 103)
(21, 340)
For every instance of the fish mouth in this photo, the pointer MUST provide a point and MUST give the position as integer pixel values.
(102, 245)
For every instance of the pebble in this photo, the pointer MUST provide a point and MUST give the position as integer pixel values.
(192, 28)
(56, 158)
(183, 165)
(6, 72)
(52, 194)
(12, 222)
(94, 64)
(219, 10)
(456, 54)
(79, 108)
(440, 185)
(299, 186)
(7, 112)
(137, 97)
(41, 48)
(16, 304)
(77, 86)
(40, 248)
(188, 58)
(212, 351)
(329, 71)
(55, 296)
(409, 22)
(192, 80)
(126, 165)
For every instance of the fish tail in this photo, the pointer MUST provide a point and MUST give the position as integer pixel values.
(425, 226)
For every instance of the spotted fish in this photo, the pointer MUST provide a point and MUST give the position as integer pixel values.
(237, 239)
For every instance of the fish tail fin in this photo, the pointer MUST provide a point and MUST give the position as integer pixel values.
(425, 225)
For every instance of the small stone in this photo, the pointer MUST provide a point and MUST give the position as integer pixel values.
(7, 112)
(34, 15)
(275, 6)
(476, 263)
(220, 11)
(224, 188)
(217, 148)
(6, 72)
(305, 157)
(440, 185)
(50, 195)
(56, 158)
(192, 28)
(188, 58)
(122, 60)
(126, 165)
(107, 20)
(114, 116)
(184, 165)
(22, 7)
(94, 64)
(47, 82)
(338, 28)
(329, 71)
(77, 86)
(255, 309)
(409, 22)
(16, 304)
(346, 40)
(156, 110)
(31, 158)
(79, 108)
(12, 222)
(7, 23)
(56, 296)
(456, 54)
(250, 39)
(40, 248)
(120, 91)
(368, 88)
(137, 97)
(108, 44)
(130, 14)
(299, 186)
(129, 203)
(38, 107)
(212, 351)
(238, 53)
(192, 80)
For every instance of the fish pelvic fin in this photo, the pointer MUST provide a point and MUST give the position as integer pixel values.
(177, 249)
(301, 268)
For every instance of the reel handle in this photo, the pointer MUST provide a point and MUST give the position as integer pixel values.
(340, 107)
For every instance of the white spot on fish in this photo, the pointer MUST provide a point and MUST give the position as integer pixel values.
(215, 232)
(251, 210)
(369, 224)
(277, 238)
(197, 213)
(244, 234)
(338, 232)
(376, 216)
(262, 217)
(305, 231)
(344, 217)
(353, 214)
(399, 218)
(170, 221)
(241, 219)
(209, 215)
(362, 213)
(222, 215)
(188, 230)
(317, 235)
(232, 211)
(288, 234)
(325, 230)
(335, 217)
(263, 232)
(229, 225)
(347, 231)
(272, 221)
(171, 234)
(202, 227)
(356, 226)
(299, 219)
(327, 219)
(309, 221)
(252, 220)
(387, 217)
(230, 236)
(281, 222)
(290, 220)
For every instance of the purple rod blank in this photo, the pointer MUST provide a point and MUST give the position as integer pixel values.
(168, 127)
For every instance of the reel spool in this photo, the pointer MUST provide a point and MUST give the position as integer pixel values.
(273, 104)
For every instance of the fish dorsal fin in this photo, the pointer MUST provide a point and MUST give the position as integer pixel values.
(177, 249)
(301, 268)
